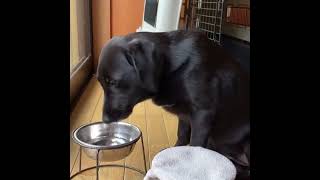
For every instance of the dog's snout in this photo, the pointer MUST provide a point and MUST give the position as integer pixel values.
(105, 118)
(115, 115)
(113, 111)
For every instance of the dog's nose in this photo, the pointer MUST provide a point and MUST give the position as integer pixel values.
(115, 116)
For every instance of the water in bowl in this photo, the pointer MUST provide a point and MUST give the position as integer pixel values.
(108, 141)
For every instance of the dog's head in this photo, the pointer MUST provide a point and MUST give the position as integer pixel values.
(128, 75)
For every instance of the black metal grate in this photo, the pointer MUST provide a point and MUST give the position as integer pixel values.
(206, 15)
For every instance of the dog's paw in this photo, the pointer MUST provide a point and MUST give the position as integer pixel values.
(181, 143)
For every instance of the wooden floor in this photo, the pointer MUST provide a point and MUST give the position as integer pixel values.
(158, 128)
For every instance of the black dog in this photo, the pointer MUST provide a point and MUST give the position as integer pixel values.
(188, 75)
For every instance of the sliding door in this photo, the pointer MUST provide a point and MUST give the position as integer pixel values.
(80, 45)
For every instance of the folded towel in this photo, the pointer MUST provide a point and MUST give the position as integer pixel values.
(190, 163)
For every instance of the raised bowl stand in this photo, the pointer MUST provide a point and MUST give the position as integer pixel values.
(98, 166)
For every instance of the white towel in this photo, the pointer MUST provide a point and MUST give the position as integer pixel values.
(190, 163)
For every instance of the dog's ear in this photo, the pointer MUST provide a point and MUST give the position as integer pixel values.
(134, 46)
(141, 45)
(130, 59)
(132, 62)
(141, 54)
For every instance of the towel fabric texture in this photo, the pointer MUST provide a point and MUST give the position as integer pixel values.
(190, 163)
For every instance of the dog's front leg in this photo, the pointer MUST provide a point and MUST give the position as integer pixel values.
(184, 132)
(201, 124)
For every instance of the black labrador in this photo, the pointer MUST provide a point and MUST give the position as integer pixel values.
(186, 74)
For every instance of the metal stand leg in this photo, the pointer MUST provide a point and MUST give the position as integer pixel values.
(97, 173)
(80, 152)
(97, 167)
(144, 155)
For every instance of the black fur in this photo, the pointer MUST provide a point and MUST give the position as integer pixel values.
(188, 75)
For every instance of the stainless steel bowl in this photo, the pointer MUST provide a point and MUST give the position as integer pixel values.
(114, 140)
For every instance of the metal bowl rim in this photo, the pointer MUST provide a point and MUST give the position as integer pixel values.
(86, 145)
